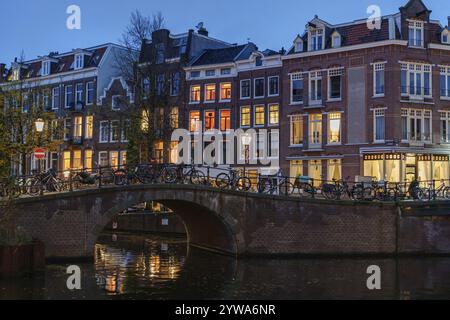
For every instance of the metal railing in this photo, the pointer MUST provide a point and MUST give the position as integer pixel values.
(239, 180)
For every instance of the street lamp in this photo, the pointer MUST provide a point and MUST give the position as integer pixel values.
(39, 123)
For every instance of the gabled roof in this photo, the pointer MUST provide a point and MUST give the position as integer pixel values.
(225, 55)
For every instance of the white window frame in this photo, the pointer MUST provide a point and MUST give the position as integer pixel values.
(313, 124)
(377, 113)
(315, 76)
(379, 66)
(79, 92)
(249, 91)
(268, 86)
(316, 33)
(415, 115)
(87, 129)
(114, 106)
(53, 98)
(231, 91)
(111, 130)
(66, 92)
(250, 117)
(335, 72)
(329, 119)
(215, 92)
(103, 124)
(416, 25)
(78, 62)
(444, 71)
(296, 77)
(336, 36)
(87, 93)
(100, 158)
(268, 114)
(292, 119)
(417, 69)
(256, 106)
(45, 68)
(445, 116)
(445, 33)
(191, 101)
(254, 88)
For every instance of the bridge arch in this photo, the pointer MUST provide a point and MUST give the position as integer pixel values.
(69, 224)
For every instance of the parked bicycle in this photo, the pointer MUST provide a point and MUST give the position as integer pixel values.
(234, 181)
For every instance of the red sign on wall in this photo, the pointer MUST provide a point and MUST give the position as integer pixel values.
(39, 153)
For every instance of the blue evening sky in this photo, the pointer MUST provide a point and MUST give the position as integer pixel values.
(39, 26)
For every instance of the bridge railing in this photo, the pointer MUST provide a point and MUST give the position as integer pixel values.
(224, 179)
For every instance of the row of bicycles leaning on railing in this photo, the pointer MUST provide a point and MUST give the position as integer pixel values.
(224, 179)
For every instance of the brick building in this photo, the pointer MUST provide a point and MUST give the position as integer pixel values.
(238, 88)
(371, 102)
(80, 89)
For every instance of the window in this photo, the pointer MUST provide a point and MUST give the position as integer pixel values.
(296, 130)
(78, 127)
(260, 116)
(145, 87)
(210, 93)
(335, 84)
(225, 71)
(25, 103)
(116, 102)
(316, 39)
(225, 120)
(195, 74)
(55, 98)
(194, 121)
(88, 159)
(295, 170)
(160, 53)
(259, 88)
(446, 37)
(114, 159)
(336, 41)
(274, 114)
(89, 130)
(296, 88)
(67, 128)
(160, 84)
(79, 61)
(66, 161)
(416, 125)
(125, 130)
(103, 159)
(15, 74)
(54, 161)
(445, 127)
(416, 80)
(123, 158)
(445, 82)
(315, 88)
(315, 171)
(334, 128)
(225, 91)
(415, 33)
(55, 130)
(115, 131)
(378, 79)
(46, 101)
(79, 93)
(69, 96)
(210, 73)
(379, 125)
(175, 84)
(274, 144)
(195, 94)
(245, 116)
(210, 120)
(274, 86)
(298, 45)
(104, 131)
(77, 163)
(258, 62)
(261, 145)
(90, 93)
(245, 89)
(45, 68)
(334, 170)
(174, 118)
(315, 131)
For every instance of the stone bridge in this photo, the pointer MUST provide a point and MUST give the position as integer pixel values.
(241, 224)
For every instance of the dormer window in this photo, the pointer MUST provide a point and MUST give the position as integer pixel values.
(45, 68)
(446, 37)
(15, 74)
(336, 40)
(79, 61)
(258, 62)
(316, 39)
(416, 33)
(298, 45)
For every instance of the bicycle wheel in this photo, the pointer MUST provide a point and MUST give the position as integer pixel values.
(243, 184)
(197, 177)
(223, 181)
(286, 188)
(120, 177)
(329, 191)
(446, 193)
(169, 175)
(264, 186)
(33, 187)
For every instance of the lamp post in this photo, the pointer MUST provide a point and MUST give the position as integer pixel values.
(39, 123)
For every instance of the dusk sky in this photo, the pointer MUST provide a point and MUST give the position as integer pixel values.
(39, 26)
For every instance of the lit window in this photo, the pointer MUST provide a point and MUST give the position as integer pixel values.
(194, 121)
(195, 94)
(225, 91)
(66, 161)
(245, 117)
(88, 159)
(210, 93)
(334, 128)
(225, 120)
(174, 118)
(114, 159)
(260, 116)
(210, 120)
(296, 130)
(274, 114)
(78, 127)
(89, 130)
(315, 131)
(77, 163)
(334, 170)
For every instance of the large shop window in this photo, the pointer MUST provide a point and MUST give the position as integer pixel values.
(315, 171)
(296, 170)
(374, 166)
(334, 170)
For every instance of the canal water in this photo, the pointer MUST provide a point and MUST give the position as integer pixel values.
(153, 267)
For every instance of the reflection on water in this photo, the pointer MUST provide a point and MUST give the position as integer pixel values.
(151, 267)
